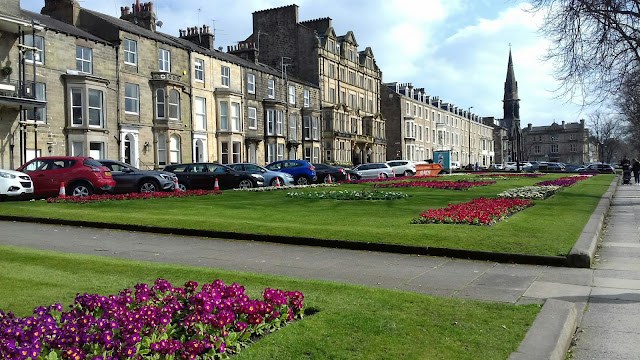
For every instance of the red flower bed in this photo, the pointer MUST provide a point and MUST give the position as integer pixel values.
(130, 196)
(438, 184)
(359, 181)
(563, 181)
(480, 211)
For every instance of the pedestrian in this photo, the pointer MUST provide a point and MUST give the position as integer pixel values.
(635, 167)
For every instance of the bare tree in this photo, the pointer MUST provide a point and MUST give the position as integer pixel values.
(607, 132)
(594, 44)
(629, 101)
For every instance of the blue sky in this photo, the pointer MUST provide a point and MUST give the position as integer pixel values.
(455, 49)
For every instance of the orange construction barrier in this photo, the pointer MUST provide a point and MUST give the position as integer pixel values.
(428, 169)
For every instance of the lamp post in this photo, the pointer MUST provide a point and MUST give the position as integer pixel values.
(469, 116)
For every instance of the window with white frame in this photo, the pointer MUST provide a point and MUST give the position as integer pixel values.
(164, 60)
(96, 150)
(279, 125)
(332, 95)
(198, 70)
(224, 152)
(305, 96)
(271, 89)
(292, 94)
(271, 152)
(316, 154)
(280, 152)
(131, 98)
(327, 152)
(307, 153)
(315, 124)
(201, 113)
(130, 52)
(174, 104)
(224, 115)
(293, 127)
(83, 59)
(38, 114)
(162, 149)
(95, 108)
(174, 149)
(38, 43)
(235, 148)
(251, 83)
(271, 119)
(252, 115)
(225, 76)
(76, 107)
(407, 108)
(306, 132)
(160, 103)
(235, 117)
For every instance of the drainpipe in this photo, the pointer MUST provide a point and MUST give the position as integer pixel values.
(120, 157)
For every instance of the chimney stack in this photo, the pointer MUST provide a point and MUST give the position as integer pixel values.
(199, 36)
(140, 14)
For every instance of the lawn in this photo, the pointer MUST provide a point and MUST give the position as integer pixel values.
(350, 321)
(551, 227)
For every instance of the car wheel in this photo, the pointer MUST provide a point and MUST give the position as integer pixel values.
(384, 175)
(181, 187)
(245, 184)
(148, 186)
(275, 180)
(303, 180)
(408, 173)
(326, 179)
(81, 189)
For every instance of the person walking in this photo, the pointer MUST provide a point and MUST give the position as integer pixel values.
(635, 167)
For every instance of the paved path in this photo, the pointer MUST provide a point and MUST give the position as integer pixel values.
(610, 325)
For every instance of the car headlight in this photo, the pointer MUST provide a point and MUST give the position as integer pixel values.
(288, 176)
(257, 176)
(7, 175)
(165, 176)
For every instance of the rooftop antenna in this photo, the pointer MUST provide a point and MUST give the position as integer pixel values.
(199, 10)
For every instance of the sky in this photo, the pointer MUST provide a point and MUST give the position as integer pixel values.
(455, 49)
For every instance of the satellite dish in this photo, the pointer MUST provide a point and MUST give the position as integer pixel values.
(159, 23)
(219, 48)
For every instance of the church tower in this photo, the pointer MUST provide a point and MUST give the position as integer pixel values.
(511, 119)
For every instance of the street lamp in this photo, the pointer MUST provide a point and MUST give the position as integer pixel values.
(469, 116)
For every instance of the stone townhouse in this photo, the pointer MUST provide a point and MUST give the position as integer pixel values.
(60, 95)
(283, 112)
(418, 124)
(353, 130)
(565, 142)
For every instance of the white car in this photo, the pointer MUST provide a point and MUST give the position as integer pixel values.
(511, 166)
(402, 167)
(374, 170)
(455, 165)
(14, 183)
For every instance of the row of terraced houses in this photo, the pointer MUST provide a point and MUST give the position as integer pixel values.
(78, 82)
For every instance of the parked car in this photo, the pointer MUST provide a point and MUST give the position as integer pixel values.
(599, 167)
(571, 167)
(14, 184)
(302, 171)
(324, 170)
(270, 177)
(497, 166)
(511, 166)
(130, 179)
(350, 173)
(374, 170)
(455, 165)
(553, 166)
(82, 176)
(203, 176)
(402, 167)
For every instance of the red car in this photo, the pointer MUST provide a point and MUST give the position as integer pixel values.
(82, 176)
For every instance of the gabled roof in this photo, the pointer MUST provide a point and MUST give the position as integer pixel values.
(350, 38)
(367, 52)
(62, 27)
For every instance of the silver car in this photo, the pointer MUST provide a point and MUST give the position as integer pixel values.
(270, 176)
(374, 170)
(402, 167)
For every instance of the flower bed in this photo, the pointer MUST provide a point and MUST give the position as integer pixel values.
(158, 322)
(349, 195)
(438, 184)
(130, 196)
(508, 175)
(286, 187)
(360, 181)
(538, 192)
(480, 211)
(563, 181)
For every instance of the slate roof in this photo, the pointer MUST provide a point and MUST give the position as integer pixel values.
(61, 26)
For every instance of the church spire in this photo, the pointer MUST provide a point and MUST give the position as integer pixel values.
(511, 102)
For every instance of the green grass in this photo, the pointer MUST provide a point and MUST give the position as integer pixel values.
(352, 322)
(551, 227)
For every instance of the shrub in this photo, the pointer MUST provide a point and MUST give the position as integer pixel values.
(349, 195)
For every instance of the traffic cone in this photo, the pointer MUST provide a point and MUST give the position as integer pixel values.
(277, 182)
(329, 180)
(176, 188)
(215, 186)
(378, 176)
(348, 177)
(62, 193)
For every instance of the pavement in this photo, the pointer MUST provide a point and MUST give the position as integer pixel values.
(602, 302)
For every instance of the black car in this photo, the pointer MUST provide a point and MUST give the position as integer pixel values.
(204, 175)
(323, 171)
(130, 179)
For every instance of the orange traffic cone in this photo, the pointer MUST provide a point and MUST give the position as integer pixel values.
(215, 186)
(62, 193)
(378, 176)
(329, 180)
(277, 182)
(348, 177)
(176, 188)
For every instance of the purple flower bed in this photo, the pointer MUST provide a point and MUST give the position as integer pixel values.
(563, 181)
(438, 184)
(531, 175)
(359, 181)
(157, 322)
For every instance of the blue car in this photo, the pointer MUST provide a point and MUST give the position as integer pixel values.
(270, 177)
(302, 171)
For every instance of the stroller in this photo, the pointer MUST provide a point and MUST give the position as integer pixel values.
(626, 174)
